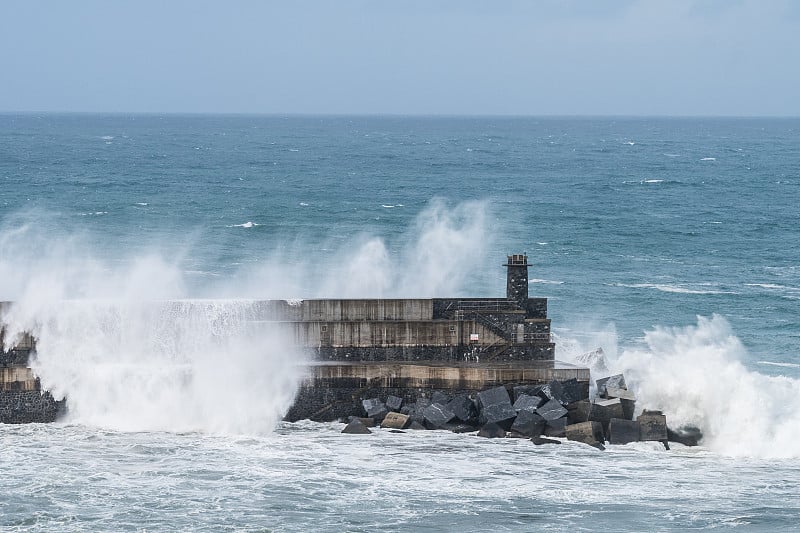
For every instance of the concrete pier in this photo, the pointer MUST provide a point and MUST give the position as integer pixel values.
(407, 348)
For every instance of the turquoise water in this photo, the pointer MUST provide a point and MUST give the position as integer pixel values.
(635, 227)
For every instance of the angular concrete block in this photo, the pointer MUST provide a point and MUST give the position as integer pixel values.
(394, 403)
(623, 431)
(396, 421)
(415, 425)
(464, 408)
(652, 426)
(494, 396)
(556, 428)
(527, 403)
(368, 422)
(492, 431)
(528, 390)
(622, 394)
(628, 408)
(605, 410)
(440, 397)
(528, 423)
(437, 415)
(615, 382)
(552, 410)
(573, 391)
(579, 411)
(495, 407)
(356, 428)
(586, 432)
(553, 391)
(375, 408)
(459, 427)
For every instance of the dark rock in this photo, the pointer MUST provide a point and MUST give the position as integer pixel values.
(464, 408)
(541, 440)
(615, 382)
(396, 421)
(623, 431)
(553, 391)
(393, 403)
(375, 408)
(586, 432)
(514, 435)
(556, 428)
(436, 415)
(527, 403)
(597, 445)
(579, 411)
(573, 391)
(552, 410)
(528, 390)
(356, 428)
(528, 423)
(396, 431)
(492, 431)
(495, 407)
(652, 426)
(416, 425)
(440, 398)
(408, 408)
(604, 410)
(686, 435)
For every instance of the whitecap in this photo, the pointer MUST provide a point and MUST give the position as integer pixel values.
(107, 137)
(304, 204)
(653, 181)
(708, 159)
(672, 155)
(546, 281)
(671, 288)
(247, 224)
(141, 203)
(388, 206)
(630, 143)
(293, 150)
(775, 363)
(542, 243)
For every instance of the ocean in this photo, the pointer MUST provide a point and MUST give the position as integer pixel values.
(135, 245)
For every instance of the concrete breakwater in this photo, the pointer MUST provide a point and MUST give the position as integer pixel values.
(363, 348)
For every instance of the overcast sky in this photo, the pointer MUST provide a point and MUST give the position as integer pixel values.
(562, 57)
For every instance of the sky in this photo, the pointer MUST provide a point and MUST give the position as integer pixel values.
(426, 57)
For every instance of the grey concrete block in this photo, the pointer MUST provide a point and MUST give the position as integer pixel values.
(579, 411)
(464, 408)
(552, 410)
(686, 435)
(573, 391)
(652, 426)
(440, 397)
(528, 390)
(541, 440)
(528, 423)
(615, 382)
(492, 431)
(495, 407)
(394, 403)
(553, 391)
(527, 403)
(556, 428)
(623, 431)
(586, 432)
(622, 394)
(375, 408)
(437, 415)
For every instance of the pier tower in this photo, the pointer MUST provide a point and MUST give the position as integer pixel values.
(517, 279)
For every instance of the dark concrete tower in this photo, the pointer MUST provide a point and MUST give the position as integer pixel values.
(517, 280)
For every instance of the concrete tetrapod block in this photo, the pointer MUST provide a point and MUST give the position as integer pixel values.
(623, 431)
(526, 402)
(464, 408)
(396, 421)
(437, 415)
(355, 427)
(492, 431)
(585, 432)
(652, 426)
(528, 423)
(552, 410)
(394, 403)
(375, 408)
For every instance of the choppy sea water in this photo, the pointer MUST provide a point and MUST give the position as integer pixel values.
(670, 243)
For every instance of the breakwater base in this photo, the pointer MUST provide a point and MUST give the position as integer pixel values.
(432, 356)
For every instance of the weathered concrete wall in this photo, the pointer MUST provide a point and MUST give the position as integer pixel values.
(391, 333)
